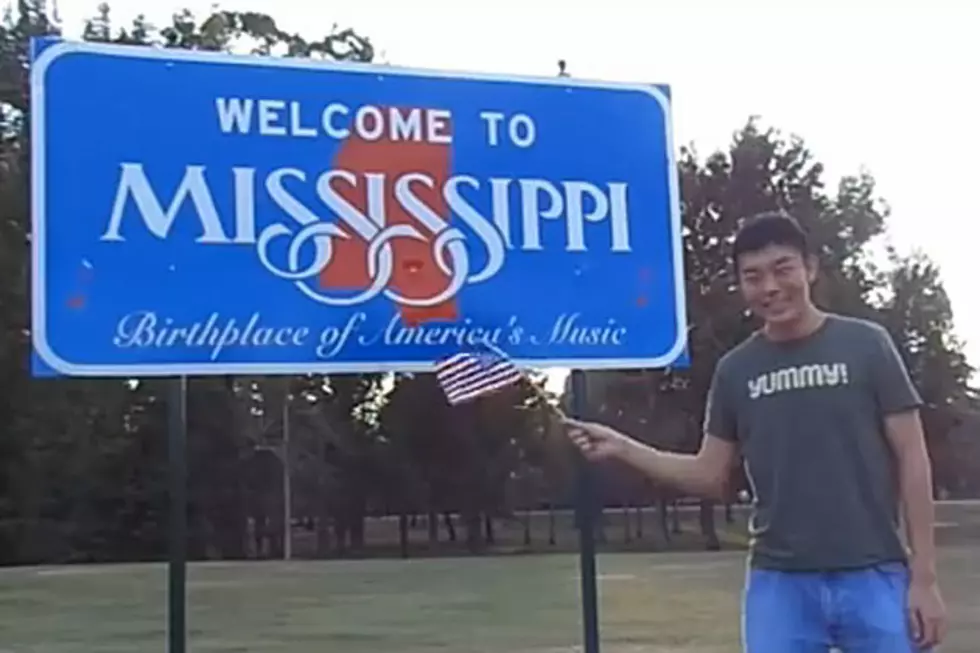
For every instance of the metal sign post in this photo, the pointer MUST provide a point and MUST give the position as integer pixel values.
(177, 563)
(586, 519)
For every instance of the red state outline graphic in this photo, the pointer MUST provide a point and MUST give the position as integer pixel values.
(416, 273)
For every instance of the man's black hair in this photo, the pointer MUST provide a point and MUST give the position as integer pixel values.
(771, 228)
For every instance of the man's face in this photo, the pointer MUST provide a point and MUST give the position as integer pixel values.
(775, 282)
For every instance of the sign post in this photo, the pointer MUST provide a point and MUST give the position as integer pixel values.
(287, 482)
(585, 505)
(177, 565)
(207, 214)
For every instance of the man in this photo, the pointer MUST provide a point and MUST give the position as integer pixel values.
(826, 418)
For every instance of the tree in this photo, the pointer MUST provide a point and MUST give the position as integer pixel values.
(83, 461)
(71, 448)
(764, 171)
(918, 314)
(472, 458)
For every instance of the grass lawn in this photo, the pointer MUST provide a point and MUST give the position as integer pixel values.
(684, 602)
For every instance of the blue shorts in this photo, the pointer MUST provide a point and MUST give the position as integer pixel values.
(861, 611)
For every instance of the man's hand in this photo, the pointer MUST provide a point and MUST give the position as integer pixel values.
(598, 442)
(927, 613)
(704, 474)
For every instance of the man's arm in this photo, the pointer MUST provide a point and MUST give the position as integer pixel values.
(905, 435)
(705, 474)
(927, 613)
(898, 404)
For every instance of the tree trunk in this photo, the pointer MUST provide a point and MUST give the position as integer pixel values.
(527, 528)
(403, 525)
(552, 526)
(340, 532)
(447, 518)
(707, 519)
(627, 531)
(228, 538)
(664, 520)
(433, 523)
(488, 532)
(263, 538)
(676, 514)
(356, 514)
(276, 541)
(471, 519)
(357, 528)
(322, 536)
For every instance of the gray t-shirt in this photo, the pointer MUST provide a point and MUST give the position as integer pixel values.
(808, 416)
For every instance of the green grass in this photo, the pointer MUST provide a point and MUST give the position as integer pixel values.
(685, 602)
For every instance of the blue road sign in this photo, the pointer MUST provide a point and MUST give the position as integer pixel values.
(197, 213)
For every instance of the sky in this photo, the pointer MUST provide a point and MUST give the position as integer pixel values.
(867, 84)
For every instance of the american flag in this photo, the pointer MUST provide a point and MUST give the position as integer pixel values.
(469, 375)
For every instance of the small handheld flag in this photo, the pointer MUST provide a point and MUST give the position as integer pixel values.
(469, 375)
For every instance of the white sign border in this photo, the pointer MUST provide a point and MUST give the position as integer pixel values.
(53, 52)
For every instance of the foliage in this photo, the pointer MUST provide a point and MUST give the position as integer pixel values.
(83, 462)
(763, 171)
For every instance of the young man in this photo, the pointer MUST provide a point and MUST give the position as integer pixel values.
(826, 418)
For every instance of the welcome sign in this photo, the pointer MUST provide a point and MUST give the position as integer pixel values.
(200, 213)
